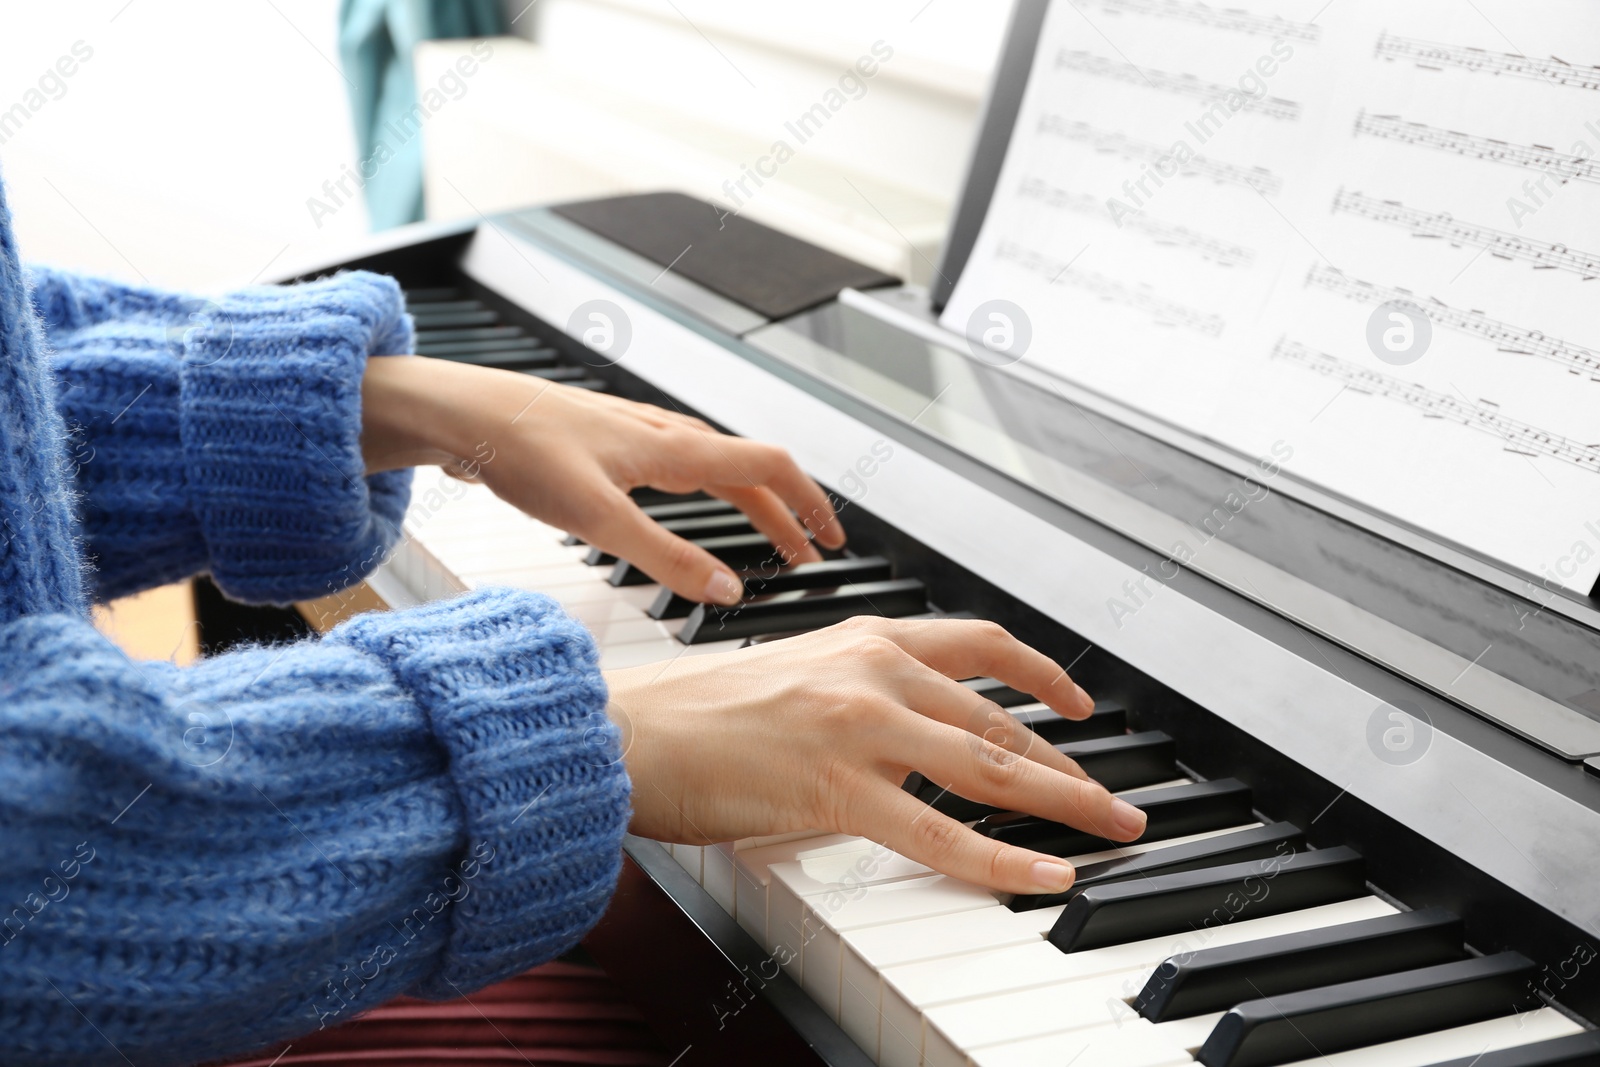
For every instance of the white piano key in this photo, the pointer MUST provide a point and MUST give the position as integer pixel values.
(869, 951)
(911, 991)
(839, 874)
(752, 874)
(717, 871)
(1102, 1047)
(1508, 1031)
(950, 1031)
(830, 915)
(690, 858)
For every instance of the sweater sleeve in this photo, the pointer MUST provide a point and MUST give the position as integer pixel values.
(223, 435)
(204, 861)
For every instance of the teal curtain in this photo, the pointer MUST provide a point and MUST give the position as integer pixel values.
(376, 38)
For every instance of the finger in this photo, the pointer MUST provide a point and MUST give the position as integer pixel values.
(963, 648)
(946, 700)
(736, 463)
(769, 515)
(980, 770)
(688, 570)
(911, 828)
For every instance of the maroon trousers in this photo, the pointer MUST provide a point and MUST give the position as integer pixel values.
(552, 1016)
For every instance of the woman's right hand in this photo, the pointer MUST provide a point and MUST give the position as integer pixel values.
(819, 732)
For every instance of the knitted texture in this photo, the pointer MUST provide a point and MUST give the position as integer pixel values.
(201, 862)
(225, 434)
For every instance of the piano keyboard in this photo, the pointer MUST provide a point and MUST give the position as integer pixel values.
(1220, 938)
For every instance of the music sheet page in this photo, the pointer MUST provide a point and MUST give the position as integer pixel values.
(1359, 237)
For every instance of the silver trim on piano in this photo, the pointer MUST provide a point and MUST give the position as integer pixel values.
(1456, 796)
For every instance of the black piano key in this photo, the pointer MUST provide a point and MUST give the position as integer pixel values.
(1178, 903)
(1110, 719)
(1214, 979)
(828, 572)
(1335, 1018)
(1256, 843)
(1175, 811)
(687, 509)
(1574, 1050)
(450, 306)
(438, 320)
(1127, 762)
(472, 333)
(739, 551)
(694, 527)
(523, 359)
(566, 374)
(594, 385)
(999, 692)
(648, 496)
(429, 296)
(681, 509)
(804, 609)
(487, 349)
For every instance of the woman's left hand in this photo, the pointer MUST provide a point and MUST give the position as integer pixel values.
(569, 456)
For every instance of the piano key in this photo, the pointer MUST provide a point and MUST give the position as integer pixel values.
(1172, 812)
(449, 306)
(739, 551)
(997, 691)
(853, 906)
(752, 874)
(1096, 1048)
(1216, 979)
(1167, 903)
(1121, 762)
(691, 527)
(1336, 1018)
(428, 296)
(472, 333)
(565, 374)
(804, 609)
(1581, 1049)
(1253, 844)
(1127, 762)
(687, 509)
(433, 320)
(1109, 719)
(428, 345)
(648, 496)
(909, 993)
(828, 572)
(868, 951)
(517, 357)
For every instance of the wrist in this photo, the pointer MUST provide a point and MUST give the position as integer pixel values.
(411, 414)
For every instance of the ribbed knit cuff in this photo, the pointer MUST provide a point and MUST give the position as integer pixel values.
(514, 695)
(270, 392)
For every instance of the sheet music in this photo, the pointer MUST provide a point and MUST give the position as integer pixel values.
(1215, 214)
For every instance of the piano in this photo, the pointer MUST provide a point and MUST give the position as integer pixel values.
(1371, 759)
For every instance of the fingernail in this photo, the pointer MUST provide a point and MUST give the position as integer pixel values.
(724, 588)
(1129, 819)
(1051, 876)
(1085, 701)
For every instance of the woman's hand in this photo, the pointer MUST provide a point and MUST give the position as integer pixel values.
(819, 731)
(569, 456)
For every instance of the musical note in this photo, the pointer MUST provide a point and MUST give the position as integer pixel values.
(1519, 437)
(1183, 84)
(1226, 19)
(1513, 340)
(1223, 253)
(1533, 157)
(1258, 178)
(1499, 243)
(1431, 55)
(1162, 311)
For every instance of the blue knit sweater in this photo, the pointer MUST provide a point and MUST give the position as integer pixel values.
(199, 862)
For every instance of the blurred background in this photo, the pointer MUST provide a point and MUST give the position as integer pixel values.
(202, 145)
